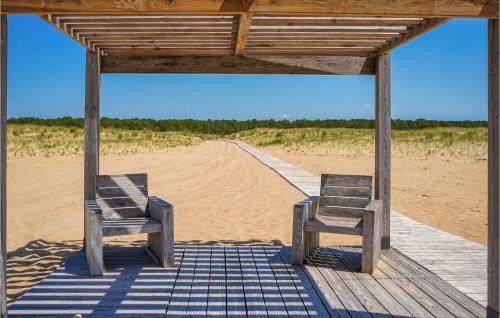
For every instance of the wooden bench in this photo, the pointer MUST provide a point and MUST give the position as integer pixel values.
(345, 206)
(122, 207)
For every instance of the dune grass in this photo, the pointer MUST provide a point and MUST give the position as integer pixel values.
(441, 142)
(34, 140)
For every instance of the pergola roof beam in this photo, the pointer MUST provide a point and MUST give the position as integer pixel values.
(331, 65)
(247, 34)
(368, 8)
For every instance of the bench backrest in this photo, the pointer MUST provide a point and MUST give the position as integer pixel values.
(122, 196)
(340, 193)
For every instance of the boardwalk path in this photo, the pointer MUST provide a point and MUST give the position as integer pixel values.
(458, 261)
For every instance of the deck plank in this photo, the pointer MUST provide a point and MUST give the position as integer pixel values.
(244, 281)
(458, 261)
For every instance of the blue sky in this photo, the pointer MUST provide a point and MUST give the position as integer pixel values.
(441, 75)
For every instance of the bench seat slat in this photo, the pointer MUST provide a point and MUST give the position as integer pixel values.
(352, 202)
(122, 181)
(346, 180)
(130, 226)
(364, 192)
(349, 226)
(106, 193)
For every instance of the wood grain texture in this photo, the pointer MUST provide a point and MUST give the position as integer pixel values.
(245, 281)
(336, 225)
(343, 201)
(238, 34)
(383, 143)
(122, 196)
(122, 181)
(129, 226)
(300, 216)
(426, 26)
(372, 233)
(91, 130)
(3, 164)
(346, 180)
(94, 238)
(407, 8)
(333, 65)
(243, 32)
(162, 243)
(493, 168)
(458, 261)
(361, 192)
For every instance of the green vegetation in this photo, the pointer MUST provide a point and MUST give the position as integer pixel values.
(226, 127)
(442, 142)
(32, 140)
(64, 136)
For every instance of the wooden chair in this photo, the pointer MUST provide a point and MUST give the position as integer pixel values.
(344, 206)
(122, 207)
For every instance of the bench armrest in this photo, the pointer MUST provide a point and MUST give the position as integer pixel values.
(160, 210)
(375, 206)
(311, 206)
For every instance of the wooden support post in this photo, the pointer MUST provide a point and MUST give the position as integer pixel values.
(3, 165)
(493, 168)
(92, 105)
(383, 143)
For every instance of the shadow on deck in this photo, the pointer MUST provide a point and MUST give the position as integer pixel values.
(244, 280)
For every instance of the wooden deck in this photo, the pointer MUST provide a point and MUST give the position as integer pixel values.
(241, 281)
(458, 261)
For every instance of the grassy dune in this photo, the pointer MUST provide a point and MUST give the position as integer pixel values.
(34, 140)
(359, 143)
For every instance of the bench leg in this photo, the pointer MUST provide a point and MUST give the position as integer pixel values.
(162, 244)
(298, 234)
(94, 244)
(372, 232)
(312, 242)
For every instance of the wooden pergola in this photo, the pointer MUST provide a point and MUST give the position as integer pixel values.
(330, 37)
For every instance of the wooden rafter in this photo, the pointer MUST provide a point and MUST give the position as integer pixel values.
(48, 18)
(243, 32)
(321, 65)
(247, 34)
(426, 26)
(368, 8)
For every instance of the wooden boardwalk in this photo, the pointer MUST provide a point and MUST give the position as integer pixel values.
(458, 261)
(244, 281)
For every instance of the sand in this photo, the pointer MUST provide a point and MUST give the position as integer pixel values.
(447, 193)
(221, 195)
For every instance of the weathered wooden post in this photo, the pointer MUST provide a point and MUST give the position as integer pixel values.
(383, 143)
(493, 168)
(3, 164)
(92, 105)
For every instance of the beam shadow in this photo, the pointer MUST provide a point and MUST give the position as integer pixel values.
(238, 279)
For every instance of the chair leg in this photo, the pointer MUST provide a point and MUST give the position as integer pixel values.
(162, 243)
(298, 234)
(94, 245)
(372, 230)
(154, 245)
(312, 241)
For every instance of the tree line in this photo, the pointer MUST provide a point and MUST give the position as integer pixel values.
(226, 127)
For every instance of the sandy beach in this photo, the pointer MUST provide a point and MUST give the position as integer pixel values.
(447, 193)
(221, 195)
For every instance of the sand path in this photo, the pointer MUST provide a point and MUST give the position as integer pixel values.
(220, 193)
